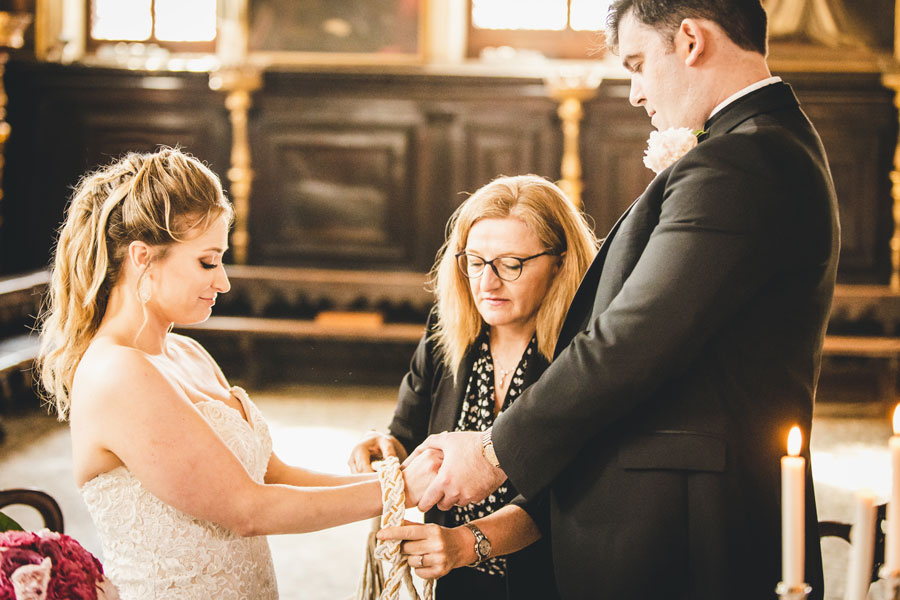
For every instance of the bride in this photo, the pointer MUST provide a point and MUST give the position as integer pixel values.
(175, 465)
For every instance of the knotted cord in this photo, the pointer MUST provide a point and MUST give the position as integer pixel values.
(373, 584)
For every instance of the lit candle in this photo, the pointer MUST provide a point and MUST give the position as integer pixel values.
(892, 536)
(793, 487)
(862, 553)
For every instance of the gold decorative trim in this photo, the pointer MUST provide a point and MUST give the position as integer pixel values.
(571, 88)
(892, 81)
(239, 83)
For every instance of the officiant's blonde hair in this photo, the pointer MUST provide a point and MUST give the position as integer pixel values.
(560, 228)
(155, 198)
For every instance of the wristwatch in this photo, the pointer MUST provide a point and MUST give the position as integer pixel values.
(487, 448)
(482, 545)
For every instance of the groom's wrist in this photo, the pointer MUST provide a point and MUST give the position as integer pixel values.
(487, 448)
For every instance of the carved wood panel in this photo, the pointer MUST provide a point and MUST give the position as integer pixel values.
(335, 195)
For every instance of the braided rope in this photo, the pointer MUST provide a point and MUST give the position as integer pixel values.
(393, 501)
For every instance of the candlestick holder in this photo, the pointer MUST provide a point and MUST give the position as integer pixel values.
(797, 592)
(890, 584)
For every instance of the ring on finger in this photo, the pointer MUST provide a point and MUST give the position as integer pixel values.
(421, 560)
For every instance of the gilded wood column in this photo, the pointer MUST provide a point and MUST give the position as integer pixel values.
(12, 31)
(239, 83)
(892, 81)
(572, 88)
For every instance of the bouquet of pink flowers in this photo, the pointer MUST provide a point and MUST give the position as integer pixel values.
(49, 566)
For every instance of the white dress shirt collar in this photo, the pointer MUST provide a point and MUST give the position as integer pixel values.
(750, 88)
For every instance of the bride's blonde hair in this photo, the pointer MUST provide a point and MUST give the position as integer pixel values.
(154, 198)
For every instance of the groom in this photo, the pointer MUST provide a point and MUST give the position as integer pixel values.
(694, 342)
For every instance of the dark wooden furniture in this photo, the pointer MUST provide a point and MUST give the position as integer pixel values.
(360, 168)
(842, 531)
(42, 502)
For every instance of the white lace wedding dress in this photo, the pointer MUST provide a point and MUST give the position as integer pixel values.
(152, 551)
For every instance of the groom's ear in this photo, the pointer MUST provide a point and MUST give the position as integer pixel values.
(690, 41)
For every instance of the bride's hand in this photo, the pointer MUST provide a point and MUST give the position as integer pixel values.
(374, 446)
(418, 474)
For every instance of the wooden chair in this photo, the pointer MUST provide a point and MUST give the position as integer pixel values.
(842, 530)
(40, 501)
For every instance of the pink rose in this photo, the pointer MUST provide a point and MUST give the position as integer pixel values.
(30, 581)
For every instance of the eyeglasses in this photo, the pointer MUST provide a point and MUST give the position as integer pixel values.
(507, 268)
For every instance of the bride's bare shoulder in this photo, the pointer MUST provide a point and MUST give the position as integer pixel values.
(113, 372)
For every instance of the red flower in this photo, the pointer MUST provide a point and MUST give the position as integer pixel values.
(75, 575)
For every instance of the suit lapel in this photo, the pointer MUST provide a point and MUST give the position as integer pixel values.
(587, 290)
(766, 99)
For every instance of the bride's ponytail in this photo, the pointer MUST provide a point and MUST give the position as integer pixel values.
(155, 198)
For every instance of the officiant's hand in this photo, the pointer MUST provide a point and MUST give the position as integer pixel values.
(418, 473)
(465, 475)
(432, 550)
(374, 446)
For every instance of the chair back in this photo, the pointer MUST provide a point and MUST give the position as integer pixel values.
(40, 501)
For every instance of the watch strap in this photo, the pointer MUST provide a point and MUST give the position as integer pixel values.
(487, 448)
(479, 537)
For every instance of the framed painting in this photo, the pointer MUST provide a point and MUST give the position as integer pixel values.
(336, 31)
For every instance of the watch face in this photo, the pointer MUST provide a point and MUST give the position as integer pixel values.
(484, 547)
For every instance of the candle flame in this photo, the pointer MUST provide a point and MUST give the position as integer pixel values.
(795, 439)
(897, 420)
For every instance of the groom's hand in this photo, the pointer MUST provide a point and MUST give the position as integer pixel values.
(418, 473)
(465, 475)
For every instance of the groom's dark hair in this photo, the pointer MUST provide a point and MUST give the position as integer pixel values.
(744, 21)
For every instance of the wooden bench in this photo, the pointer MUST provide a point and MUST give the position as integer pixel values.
(871, 347)
(255, 339)
(322, 329)
(20, 302)
(259, 290)
(17, 357)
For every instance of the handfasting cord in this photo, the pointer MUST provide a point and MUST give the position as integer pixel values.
(393, 501)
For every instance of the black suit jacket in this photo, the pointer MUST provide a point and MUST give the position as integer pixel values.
(430, 401)
(690, 349)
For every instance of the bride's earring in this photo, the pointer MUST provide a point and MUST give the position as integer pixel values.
(144, 291)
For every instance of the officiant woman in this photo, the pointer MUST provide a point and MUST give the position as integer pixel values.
(514, 255)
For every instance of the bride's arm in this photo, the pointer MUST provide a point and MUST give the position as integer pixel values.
(279, 472)
(125, 406)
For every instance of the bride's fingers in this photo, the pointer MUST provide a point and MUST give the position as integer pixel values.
(428, 444)
(433, 494)
(412, 456)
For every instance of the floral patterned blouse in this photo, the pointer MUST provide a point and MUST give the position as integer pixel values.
(477, 414)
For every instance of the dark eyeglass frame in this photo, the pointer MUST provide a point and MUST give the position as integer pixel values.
(522, 262)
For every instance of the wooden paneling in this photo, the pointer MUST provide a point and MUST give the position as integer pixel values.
(858, 126)
(360, 170)
(338, 196)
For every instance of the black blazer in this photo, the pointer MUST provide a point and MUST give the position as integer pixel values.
(430, 401)
(691, 347)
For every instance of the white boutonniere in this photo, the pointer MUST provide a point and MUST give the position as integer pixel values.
(667, 146)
